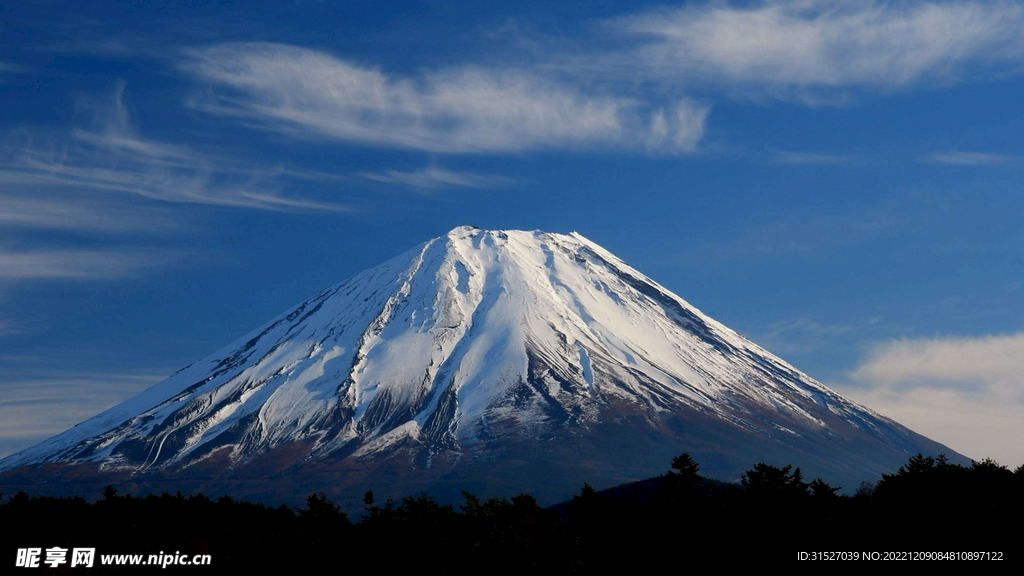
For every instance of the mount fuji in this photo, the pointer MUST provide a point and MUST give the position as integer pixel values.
(498, 361)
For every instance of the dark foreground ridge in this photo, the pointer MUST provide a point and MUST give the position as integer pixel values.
(928, 510)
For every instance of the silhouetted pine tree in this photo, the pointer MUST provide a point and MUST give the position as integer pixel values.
(684, 470)
(766, 479)
(821, 490)
(320, 510)
(797, 486)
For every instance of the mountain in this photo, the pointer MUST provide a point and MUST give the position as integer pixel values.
(495, 361)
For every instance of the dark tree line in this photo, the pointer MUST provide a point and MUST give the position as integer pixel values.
(928, 504)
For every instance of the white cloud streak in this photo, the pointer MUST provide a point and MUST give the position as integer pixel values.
(78, 264)
(460, 110)
(32, 410)
(965, 392)
(790, 157)
(959, 158)
(990, 362)
(113, 157)
(786, 44)
(800, 336)
(434, 178)
(64, 213)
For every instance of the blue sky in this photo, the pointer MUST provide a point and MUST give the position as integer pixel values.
(838, 181)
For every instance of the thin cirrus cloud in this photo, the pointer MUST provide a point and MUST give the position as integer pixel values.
(796, 44)
(793, 158)
(63, 212)
(34, 409)
(812, 233)
(8, 327)
(88, 181)
(801, 335)
(967, 392)
(434, 178)
(960, 158)
(112, 157)
(460, 110)
(79, 264)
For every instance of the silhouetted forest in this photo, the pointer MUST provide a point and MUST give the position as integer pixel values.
(927, 506)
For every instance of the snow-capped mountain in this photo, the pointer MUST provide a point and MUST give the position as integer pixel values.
(476, 350)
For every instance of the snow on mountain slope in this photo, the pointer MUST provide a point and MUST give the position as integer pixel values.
(468, 338)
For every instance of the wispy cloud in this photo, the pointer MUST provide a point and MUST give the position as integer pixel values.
(790, 157)
(787, 45)
(111, 156)
(960, 158)
(32, 410)
(800, 335)
(63, 212)
(7, 328)
(107, 45)
(977, 426)
(967, 392)
(990, 361)
(79, 264)
(465, 109)
(434, 178)
(810, 233)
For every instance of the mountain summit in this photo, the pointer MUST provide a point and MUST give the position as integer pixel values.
(494, 360)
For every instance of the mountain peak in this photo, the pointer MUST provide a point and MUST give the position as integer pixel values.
(464, 229)
(471, 344)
